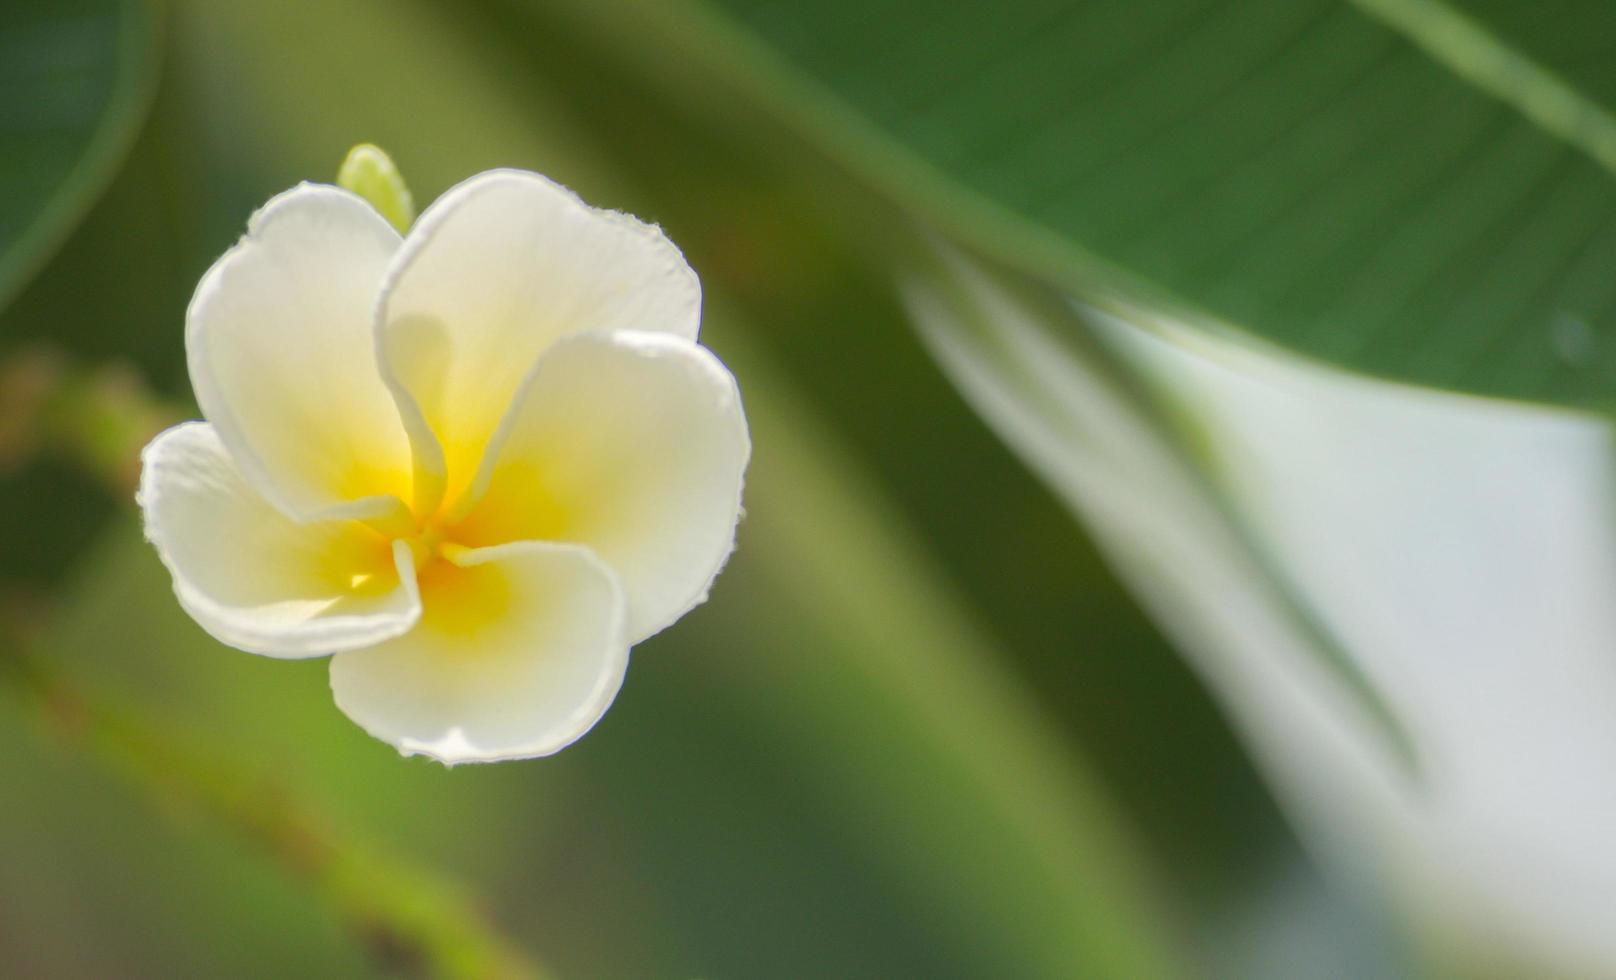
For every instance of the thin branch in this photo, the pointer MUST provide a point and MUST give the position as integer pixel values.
(414, 922)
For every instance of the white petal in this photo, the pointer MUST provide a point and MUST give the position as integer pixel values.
(519, 652)
(251, 576)
(283, 360)
(633, 444)
(494, 272)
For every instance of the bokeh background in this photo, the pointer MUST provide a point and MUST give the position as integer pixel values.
(920, 730)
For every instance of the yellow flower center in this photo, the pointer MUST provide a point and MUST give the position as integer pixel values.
(431, 543)
(456, 600)
(460, 600)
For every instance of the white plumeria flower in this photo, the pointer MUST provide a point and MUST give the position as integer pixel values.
(476, 463)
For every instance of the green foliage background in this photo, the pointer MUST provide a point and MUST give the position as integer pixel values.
(918, 731)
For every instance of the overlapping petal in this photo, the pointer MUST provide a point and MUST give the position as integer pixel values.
(282, 356)
(254, 578)
(520, 651)
(633, 444)
(495, 271)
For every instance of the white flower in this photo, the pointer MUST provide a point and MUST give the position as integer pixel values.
(475, 464)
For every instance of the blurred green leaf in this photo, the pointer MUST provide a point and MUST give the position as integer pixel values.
(75, 79)
(825, 770)
(830, 768)
(1359, 183)
(906, 705)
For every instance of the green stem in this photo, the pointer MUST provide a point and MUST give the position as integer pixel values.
(414, 922)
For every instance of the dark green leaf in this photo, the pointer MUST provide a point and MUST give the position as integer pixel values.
(1414, 189)
(75, 78)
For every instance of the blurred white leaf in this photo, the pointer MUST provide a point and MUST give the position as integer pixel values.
(1460, 552)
